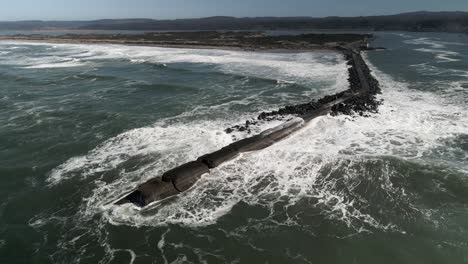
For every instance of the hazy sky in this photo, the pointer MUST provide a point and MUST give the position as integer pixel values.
(164, 9)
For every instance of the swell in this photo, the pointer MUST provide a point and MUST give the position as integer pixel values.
(343, 179)
(295, 67)
(410, 124)
(360, 97)
(365, 136)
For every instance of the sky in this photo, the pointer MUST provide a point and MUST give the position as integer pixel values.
(11, 10)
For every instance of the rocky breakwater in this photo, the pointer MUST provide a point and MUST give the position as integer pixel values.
(358, 99)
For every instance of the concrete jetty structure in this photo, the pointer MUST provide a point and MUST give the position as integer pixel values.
(359, 98)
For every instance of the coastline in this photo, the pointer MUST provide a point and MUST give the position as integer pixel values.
(170, 46)
(240, 41)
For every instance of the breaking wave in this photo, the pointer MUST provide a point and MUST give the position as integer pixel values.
(438, 48)
(72, 62)
(433, 43)
(442, 55)
(301, 169)
(298, 68)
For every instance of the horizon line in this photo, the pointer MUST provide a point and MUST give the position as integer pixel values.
(220, 16)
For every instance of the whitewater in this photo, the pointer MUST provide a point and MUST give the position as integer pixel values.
(83, 124)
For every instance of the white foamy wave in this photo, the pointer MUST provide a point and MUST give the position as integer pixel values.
(266, 178)
(41, 60)
(12, 48)
(173, 144)
(59, 64)
(455, 89)
(289, 67)
(427, 69)
(283, 82)
(403, 35)
(438, 48)
(442, 55)
(137, 61)
(433, 43)
(458, 88)
(55, 56)
(409, 126)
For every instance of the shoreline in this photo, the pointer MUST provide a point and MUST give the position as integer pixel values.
(169, 46)
(239, 41)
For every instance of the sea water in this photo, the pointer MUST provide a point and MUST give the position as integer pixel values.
(81, 125)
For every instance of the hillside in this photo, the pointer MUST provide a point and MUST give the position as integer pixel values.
(415, 21)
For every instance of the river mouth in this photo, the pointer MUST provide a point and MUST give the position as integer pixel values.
(391, 185)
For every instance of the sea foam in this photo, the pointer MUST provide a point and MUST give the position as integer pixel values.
(409, 126)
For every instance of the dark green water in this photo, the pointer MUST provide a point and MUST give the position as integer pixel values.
(82, 124)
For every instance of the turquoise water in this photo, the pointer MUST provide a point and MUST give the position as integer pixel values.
(82, 124)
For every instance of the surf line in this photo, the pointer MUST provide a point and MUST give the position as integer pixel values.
(359, 98)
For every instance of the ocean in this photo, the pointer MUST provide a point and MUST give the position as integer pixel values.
(81, 125)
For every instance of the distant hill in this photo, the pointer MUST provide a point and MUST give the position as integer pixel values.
(415, 21)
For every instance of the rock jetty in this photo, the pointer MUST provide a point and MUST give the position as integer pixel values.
(358, 99)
